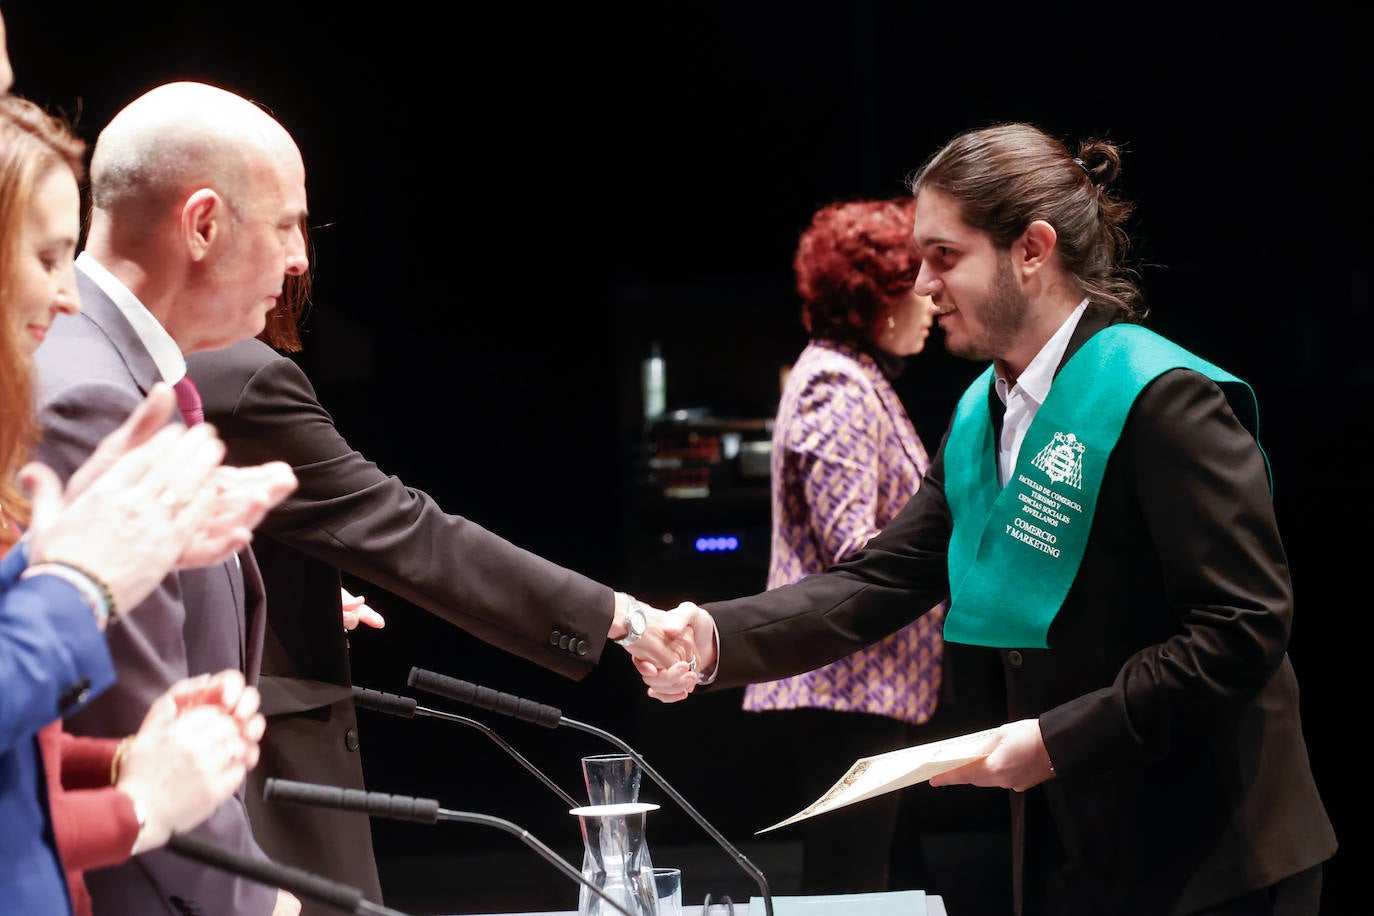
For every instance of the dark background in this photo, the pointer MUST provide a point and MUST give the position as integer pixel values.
(510, 204)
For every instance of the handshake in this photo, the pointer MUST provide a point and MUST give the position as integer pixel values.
(672, 650)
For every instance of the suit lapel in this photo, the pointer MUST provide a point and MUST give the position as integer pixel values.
(1089, 324)
(242, 577)
(100, 310)
(254, 614)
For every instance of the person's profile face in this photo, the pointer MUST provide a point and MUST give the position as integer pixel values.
(263, 243)
(904, 326)
(977, 301)
(43, 280)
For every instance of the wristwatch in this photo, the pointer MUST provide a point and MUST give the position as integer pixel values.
(635, 620)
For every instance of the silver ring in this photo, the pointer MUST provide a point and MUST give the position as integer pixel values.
(169, 499)
(692, 665)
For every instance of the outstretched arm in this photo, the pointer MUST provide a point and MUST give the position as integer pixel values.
(350, 514)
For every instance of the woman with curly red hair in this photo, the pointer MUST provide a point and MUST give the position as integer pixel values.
(846, 458)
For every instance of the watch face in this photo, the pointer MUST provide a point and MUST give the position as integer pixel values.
(636, 621)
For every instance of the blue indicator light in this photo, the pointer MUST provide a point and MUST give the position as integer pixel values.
(717, 544)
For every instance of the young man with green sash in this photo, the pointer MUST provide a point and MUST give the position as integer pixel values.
(1100, 513)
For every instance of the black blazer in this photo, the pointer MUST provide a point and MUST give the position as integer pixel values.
(348, 515)
(1166, 697)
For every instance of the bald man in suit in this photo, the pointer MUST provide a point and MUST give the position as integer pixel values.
(197, 196)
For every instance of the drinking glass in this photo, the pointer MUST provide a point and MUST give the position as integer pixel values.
(668, 887)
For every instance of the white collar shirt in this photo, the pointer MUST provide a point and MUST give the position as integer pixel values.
(1024, 396)
(160, 345)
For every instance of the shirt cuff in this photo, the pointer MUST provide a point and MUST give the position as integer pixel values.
(706, 678)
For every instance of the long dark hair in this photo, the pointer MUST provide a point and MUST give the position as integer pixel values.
(1008, 175)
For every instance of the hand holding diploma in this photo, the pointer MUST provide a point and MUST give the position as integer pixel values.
(876, 775)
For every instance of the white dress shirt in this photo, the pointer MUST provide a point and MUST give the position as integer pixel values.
(1024, 396)
(160, 345)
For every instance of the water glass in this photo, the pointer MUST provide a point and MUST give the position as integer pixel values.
(668, 887)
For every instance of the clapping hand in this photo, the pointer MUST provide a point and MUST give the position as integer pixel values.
(151, 498)
(190, 754)
(239, 499)
(131, 508)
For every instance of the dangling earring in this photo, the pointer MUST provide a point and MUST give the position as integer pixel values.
(891, 325)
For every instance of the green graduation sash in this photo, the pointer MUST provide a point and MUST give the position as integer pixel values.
(1015, 550)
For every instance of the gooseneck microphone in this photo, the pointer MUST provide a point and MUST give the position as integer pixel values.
(407, 708)
(551, 717)
(423, 810)
(298, 881)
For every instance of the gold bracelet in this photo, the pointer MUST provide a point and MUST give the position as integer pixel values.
(118, 758)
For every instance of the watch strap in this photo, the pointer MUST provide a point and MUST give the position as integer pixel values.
(632, 606)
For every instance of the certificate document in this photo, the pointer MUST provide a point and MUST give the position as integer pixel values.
(870, 776)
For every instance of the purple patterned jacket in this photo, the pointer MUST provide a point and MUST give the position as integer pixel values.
(846, 458)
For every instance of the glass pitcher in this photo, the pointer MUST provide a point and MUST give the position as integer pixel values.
(611, 779)
(615, 859)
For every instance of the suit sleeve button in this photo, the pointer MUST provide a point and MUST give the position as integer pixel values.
(75, 694)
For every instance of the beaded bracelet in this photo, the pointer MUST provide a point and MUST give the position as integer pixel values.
(91, 587)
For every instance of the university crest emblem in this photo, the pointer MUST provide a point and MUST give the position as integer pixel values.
(1062, 460)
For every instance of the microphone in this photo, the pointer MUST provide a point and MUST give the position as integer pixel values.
(298, 881)
(423, 810)
(551, 717)
(406, 708)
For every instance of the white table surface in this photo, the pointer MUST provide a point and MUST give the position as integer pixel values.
(935, 906)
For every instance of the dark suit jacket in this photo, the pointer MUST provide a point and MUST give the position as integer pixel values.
(93, 371)
(348, 515)
(1166, 697)
(53, 659)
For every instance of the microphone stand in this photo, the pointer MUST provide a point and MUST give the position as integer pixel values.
(551, 717)
(406, 708)
(534, 843)
(298, 881)
(422, 810)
